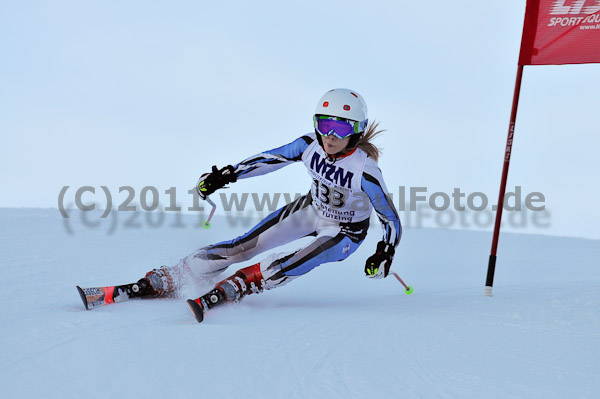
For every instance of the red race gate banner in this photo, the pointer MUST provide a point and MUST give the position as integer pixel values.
(561, 32)
(554, 32)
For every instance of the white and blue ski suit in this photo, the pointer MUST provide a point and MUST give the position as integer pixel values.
(336, 212)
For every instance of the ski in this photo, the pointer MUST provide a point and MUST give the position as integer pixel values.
(95, 297)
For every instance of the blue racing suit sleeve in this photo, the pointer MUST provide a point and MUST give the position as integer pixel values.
(373, 185)
(272, 160)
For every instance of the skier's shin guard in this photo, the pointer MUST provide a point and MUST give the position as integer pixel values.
(244, 282)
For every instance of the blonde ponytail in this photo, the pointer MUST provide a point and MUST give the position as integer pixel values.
(365, 142)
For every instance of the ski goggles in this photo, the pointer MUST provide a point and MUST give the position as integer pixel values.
(337, 127)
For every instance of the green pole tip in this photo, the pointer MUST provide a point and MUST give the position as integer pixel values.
(409, 290)
(206, 225)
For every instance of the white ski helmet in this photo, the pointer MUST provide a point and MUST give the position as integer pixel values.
(344, 103)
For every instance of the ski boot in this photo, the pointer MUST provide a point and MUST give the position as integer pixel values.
(161, 282)
(244, 282)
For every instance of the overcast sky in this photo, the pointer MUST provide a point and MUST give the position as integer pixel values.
(136, 93)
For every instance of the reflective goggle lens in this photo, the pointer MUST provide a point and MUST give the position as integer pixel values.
(337, 127)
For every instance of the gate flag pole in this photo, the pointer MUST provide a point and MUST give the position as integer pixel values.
(509, 145)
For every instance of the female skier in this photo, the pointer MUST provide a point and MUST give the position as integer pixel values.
(346, 185)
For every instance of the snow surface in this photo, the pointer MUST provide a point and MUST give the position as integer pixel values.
(330, 334)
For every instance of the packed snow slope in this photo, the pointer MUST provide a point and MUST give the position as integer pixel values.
(330, 334)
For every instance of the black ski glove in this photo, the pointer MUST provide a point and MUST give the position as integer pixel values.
(211, 182)
(378, 265)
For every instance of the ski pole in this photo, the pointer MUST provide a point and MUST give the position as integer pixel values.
(407, 288)
(206, 223)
